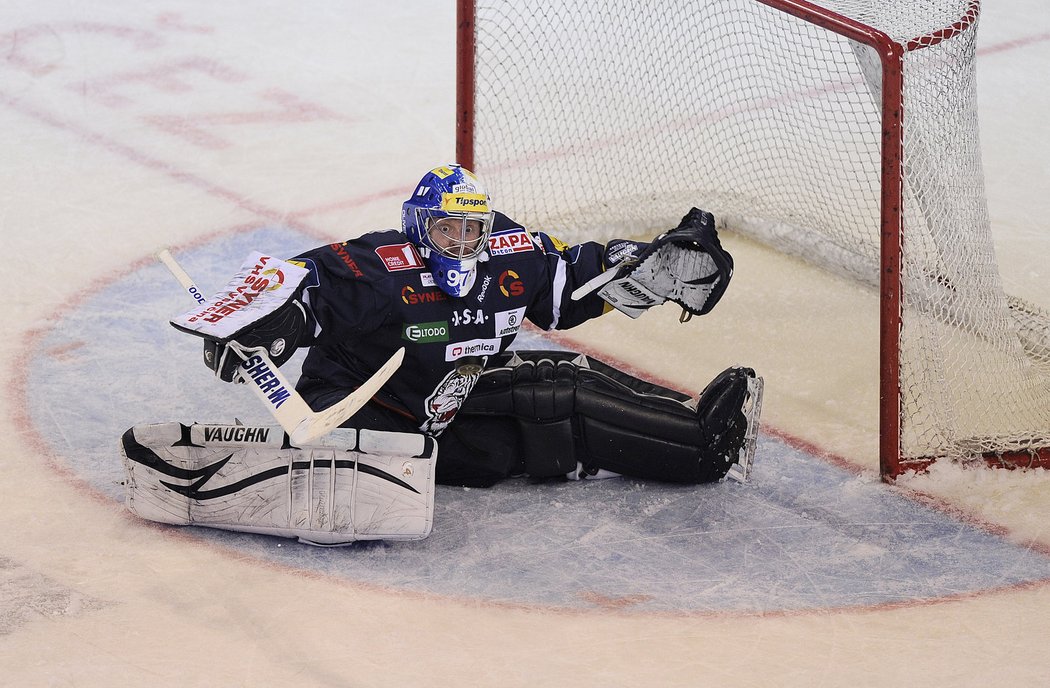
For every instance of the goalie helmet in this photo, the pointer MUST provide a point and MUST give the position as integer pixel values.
(449, 221)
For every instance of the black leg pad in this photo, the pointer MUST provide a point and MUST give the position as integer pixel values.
(569, 409)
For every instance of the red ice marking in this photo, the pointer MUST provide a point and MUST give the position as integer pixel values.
(619, 602)
(18, 45)
(168, 77)
(65, 351)
(1014, 44)
(173, 172)
(172, 21)
(290, 110)
(350, 204)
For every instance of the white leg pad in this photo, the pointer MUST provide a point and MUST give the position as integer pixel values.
(349, 485)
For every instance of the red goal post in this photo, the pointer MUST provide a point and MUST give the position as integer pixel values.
(964, 368)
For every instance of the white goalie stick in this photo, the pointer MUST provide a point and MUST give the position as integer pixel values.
(596, 283)
(303, 424)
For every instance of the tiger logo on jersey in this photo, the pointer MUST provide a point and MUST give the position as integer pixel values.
(444, 402)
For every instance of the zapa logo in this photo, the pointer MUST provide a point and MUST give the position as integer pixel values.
(510, 242)
(510, 284)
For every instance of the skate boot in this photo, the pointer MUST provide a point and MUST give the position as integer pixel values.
(729, 410)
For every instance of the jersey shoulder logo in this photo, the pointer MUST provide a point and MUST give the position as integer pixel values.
(559, 245)
(399, 257)
(512, 241)
(348, 260)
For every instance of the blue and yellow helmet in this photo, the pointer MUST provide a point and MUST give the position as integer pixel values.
(449, 219)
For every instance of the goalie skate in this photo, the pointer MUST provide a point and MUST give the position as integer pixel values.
(740, 471)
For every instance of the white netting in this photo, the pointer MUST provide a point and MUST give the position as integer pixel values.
(596, 119)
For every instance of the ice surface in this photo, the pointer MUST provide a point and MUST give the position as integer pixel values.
(214, 128)
(802, 534)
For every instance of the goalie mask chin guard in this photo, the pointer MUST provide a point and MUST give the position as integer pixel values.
(449, 220)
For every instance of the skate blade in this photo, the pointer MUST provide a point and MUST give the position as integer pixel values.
(741, 470)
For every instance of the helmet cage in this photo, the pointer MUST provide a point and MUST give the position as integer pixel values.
(462, 236)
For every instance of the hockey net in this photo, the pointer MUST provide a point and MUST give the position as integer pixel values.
(839, 131)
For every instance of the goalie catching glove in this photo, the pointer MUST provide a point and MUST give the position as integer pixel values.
(686, 265)
(261, 307)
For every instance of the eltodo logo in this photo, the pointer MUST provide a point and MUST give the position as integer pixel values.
(426, 332)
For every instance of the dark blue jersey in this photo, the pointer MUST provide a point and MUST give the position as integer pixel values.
(374, 294)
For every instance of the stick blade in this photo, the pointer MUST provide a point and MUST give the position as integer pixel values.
(323, 422)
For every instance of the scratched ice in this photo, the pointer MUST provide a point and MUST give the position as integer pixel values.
(801, 535)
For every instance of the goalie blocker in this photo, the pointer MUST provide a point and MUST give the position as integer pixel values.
(351, 485)
(261, 307)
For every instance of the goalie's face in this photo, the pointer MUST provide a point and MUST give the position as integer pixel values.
(457, 236)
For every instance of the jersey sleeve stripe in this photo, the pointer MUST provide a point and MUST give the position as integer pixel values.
(558, 292)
